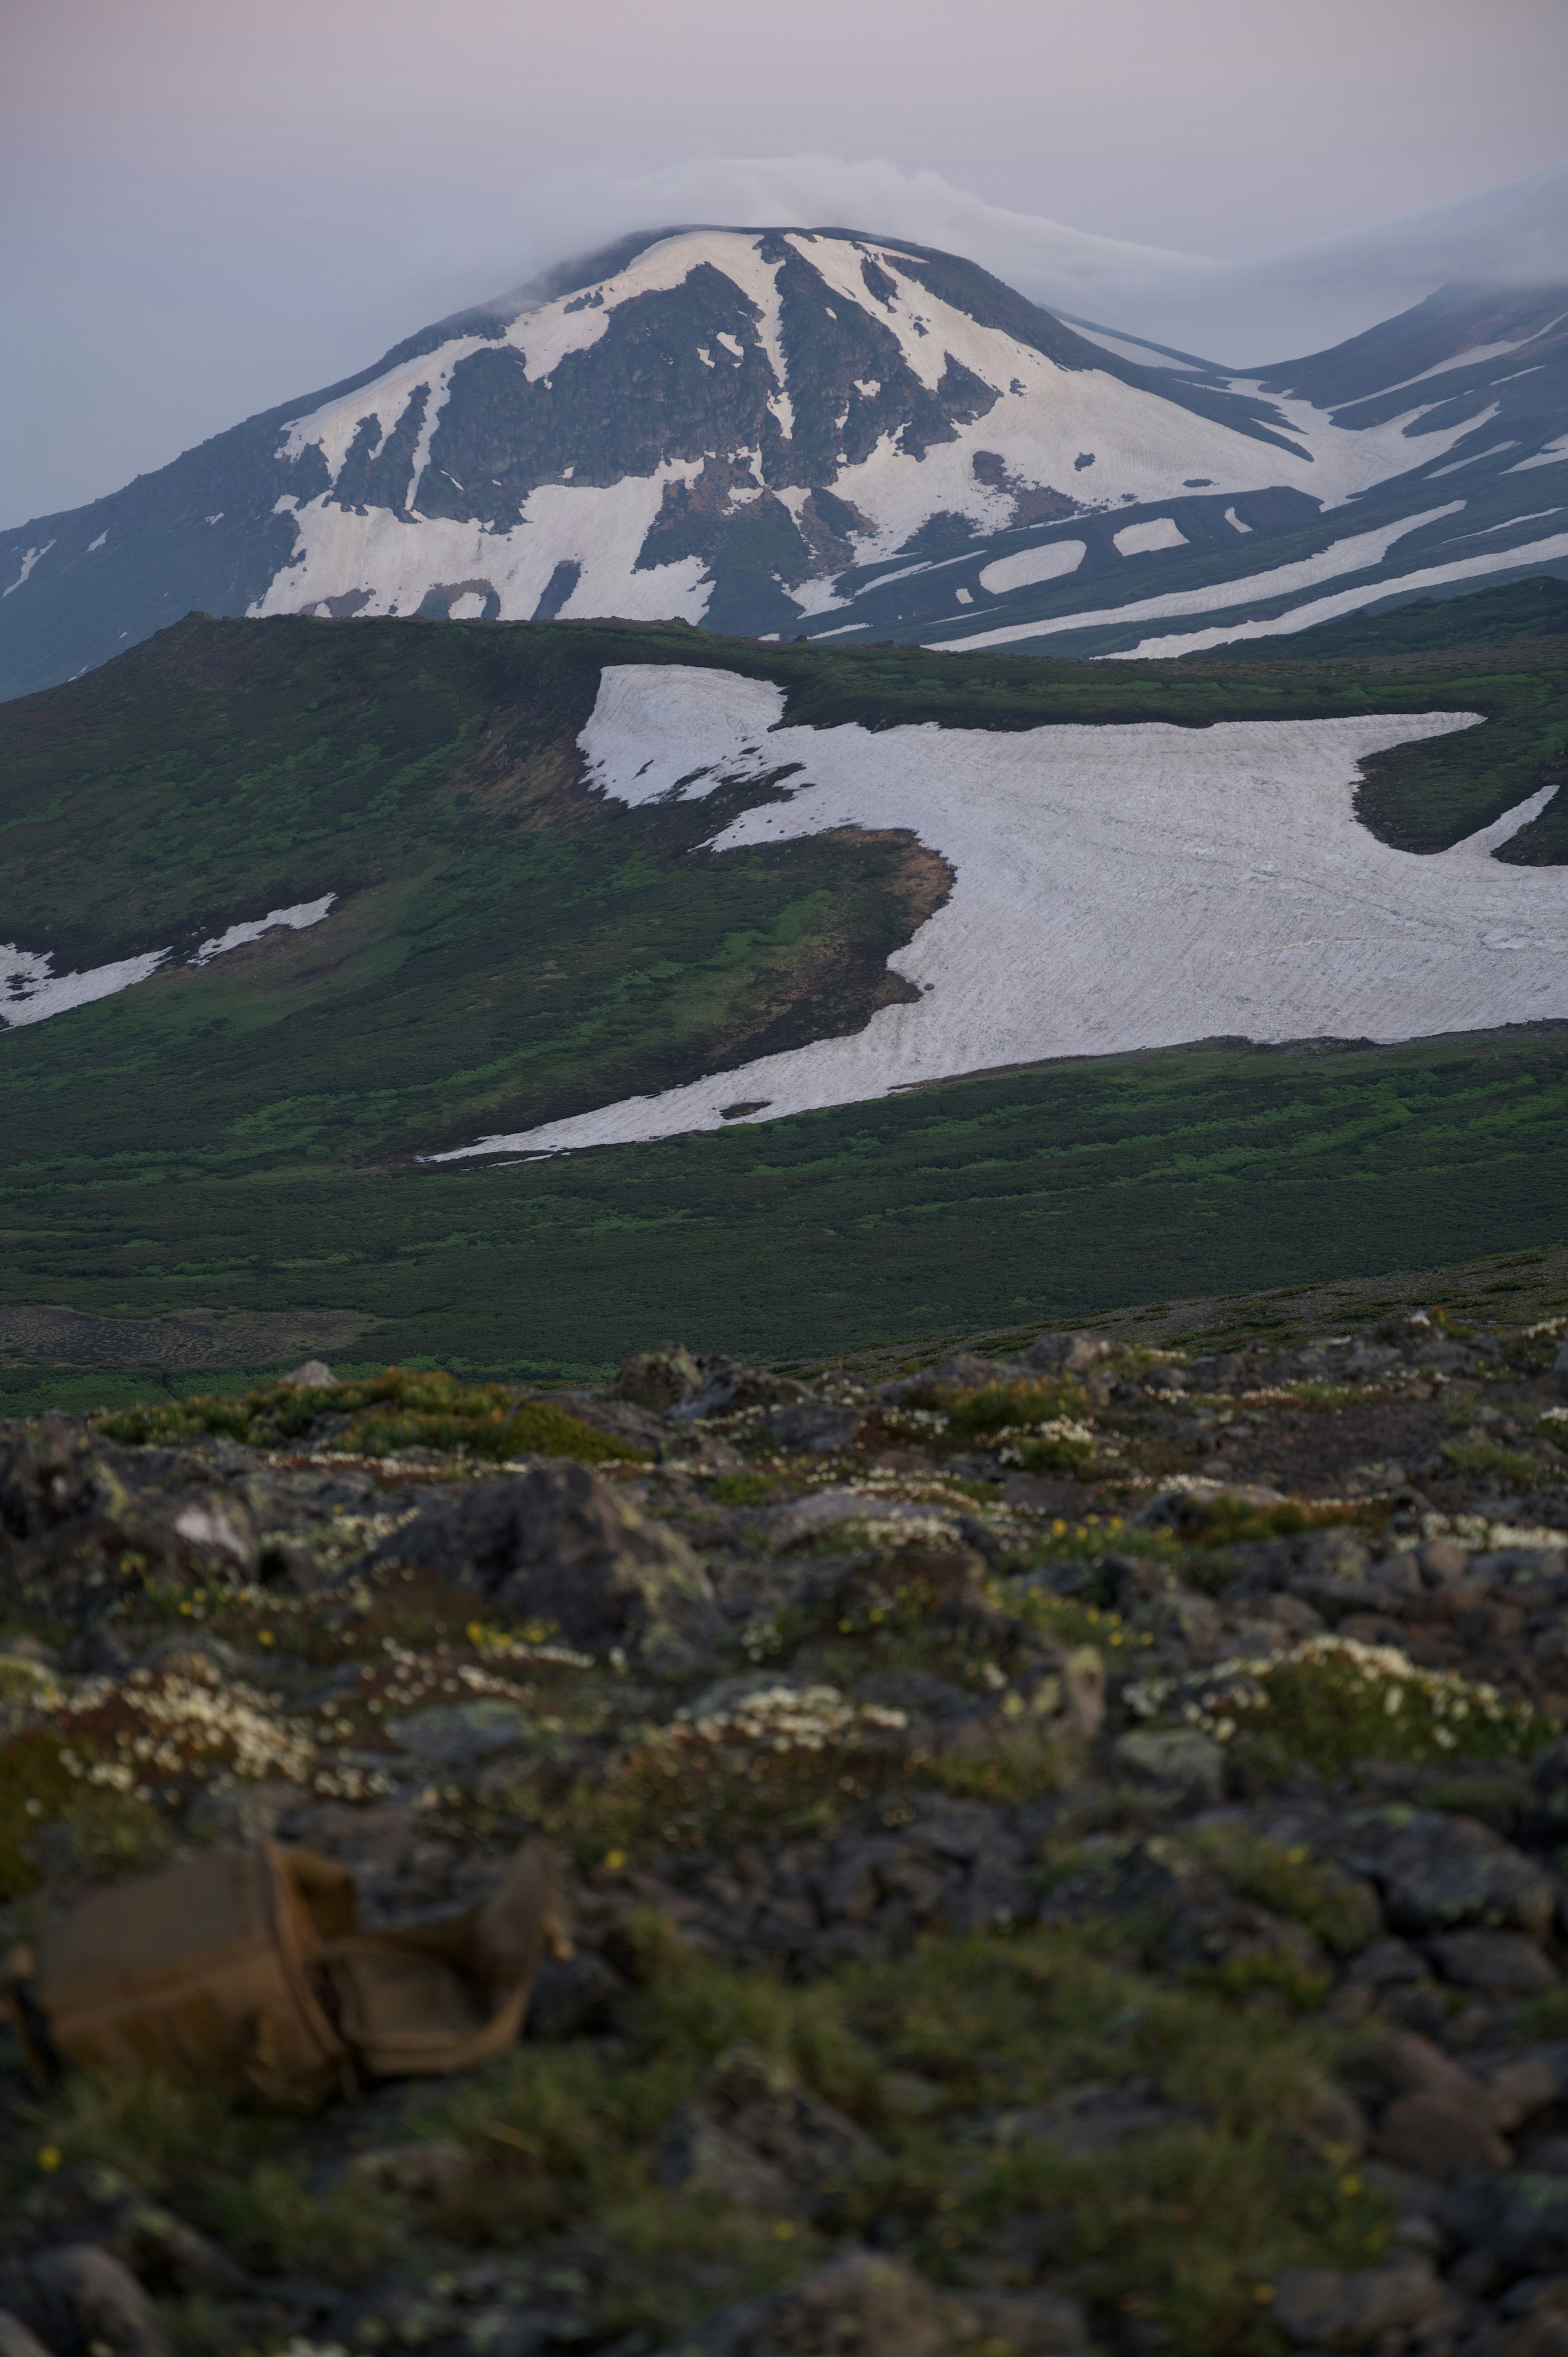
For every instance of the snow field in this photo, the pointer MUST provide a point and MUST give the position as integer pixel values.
(29, 993)
(1115, 887)
(1142, 539)
(1030, 565)
(602, 530)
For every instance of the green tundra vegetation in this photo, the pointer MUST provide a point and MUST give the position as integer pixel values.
(506, 948)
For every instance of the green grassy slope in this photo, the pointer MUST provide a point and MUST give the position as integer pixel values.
(506, 948)
(1055, 1193)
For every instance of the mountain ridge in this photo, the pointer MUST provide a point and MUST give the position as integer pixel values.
(754, 430)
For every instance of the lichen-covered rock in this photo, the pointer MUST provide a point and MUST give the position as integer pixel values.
(1441, 1873)
(561, 1545)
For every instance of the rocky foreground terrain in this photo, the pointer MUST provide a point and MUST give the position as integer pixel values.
(1067, 1854)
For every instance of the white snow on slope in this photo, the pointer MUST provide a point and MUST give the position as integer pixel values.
(1473, 358)
(1550, 455)
(1356, 555)
(1030, 565)
(1115, 887)
(1348, 601)
(601, 529)
(1147, 448)
(1142, 539)
(303, 914)
(31, 993)
(29, 561)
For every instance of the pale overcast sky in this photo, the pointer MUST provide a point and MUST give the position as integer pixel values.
(211, 206)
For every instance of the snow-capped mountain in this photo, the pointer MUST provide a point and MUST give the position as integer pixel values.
(825, 434)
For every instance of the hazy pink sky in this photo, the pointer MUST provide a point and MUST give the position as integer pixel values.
(210, 206)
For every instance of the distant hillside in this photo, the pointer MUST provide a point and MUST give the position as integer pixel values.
(294, 904)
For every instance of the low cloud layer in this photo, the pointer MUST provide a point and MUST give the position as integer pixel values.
(1242, 313)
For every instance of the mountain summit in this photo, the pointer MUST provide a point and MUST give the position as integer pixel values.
(815, 432)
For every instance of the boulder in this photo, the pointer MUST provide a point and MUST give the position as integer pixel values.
(1499, 1963)
(754, 2134)
(54, 1473)
(561, 1544)
(658, 1378)
(457, 1734)
(816, 1427)
(1436, 2136)
(1520, 2218)
(1068, 1354)
(1333, 2309)
(1440, 1873)
(1180, 1762)
(98, 2300)
(16, 2341)
(436, 2170)
(859, 2305)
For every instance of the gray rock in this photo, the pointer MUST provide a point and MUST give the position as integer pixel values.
(166, 2254)
(314, 1375)
(1030, 2324)
(98, 2299)
(1068, 1354)
(1329, 2310)
(1503, 1963)
(461, 1732)
(1178, 1760)
(1444, 1562)
(561, 1544)
(658, 1379)
(435, 2170)
(816, 1427)
(1386, 1963)
(574, 1997)
(859, 2305)
(753, 2134)
(1520, 2218)
(16, 2341)
(1440, 1873)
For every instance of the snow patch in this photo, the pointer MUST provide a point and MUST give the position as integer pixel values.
(600, 527)
(1550, 455)
(29, 561)
(93, 545)
(1493, 450)
(303, 914)
(1142, 539)
(1052, 559)
(30, 992)
(1235, 522)
(1347, 602)
(1115, 888)
(1356, 554)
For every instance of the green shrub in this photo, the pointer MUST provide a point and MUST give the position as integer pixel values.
(1291, 1881)
(1332, 1700)
(395, 1410)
